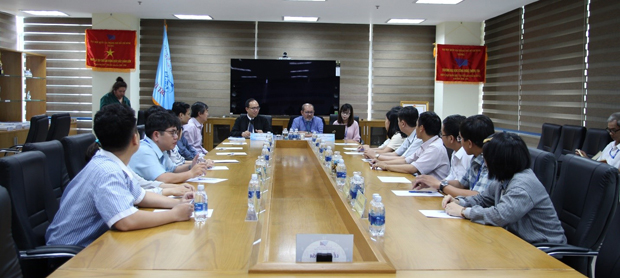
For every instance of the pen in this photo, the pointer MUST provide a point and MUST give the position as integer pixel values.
(416, 191)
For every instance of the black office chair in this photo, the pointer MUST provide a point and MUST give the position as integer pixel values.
(34, 207)
(585, 198)
(290, 121)
(544, 166)
(141, 119)
(549, 137)
(141, 131)
(9, 259)
(75, 152)
(59, 126)
(55, 161)
(596, 140)
(36, 133)
(269, 119)
(571, 138)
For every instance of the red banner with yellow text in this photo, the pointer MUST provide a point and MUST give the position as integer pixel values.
(460, 63)
(110, 50)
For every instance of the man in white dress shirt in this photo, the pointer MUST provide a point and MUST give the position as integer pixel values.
(460, 160)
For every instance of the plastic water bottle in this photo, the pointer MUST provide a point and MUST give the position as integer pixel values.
(266, 153)
(376, 216)
(314, 136)
(252, 199)
(322, 152)
(341, 174)
(317, 143)
(296, 133)
(200, 204)
(335, 159)
(359, 180)
(258, 170)
(328, 157)
(285, 134)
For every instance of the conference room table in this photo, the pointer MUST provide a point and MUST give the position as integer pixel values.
(302, 198)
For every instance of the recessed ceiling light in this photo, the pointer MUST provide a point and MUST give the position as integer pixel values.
(46, 13)
(193, 16)
(405, 21)
(447, 2)
(301, 18)
(305, 0)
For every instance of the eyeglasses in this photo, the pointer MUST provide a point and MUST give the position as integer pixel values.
(255, 108)
(308, 112)
(174, 133)
(345, 113)
(612, 131)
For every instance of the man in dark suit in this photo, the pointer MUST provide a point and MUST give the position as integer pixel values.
(250, 123)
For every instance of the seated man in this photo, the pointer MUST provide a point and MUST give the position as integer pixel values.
(104, 193)
(516, 200)
(610, 152)
(192, 131)
(251, 123)
(460, 160)
(430, 159)
(307, 122)
(473, 131)
(407, 121)
(152, 161)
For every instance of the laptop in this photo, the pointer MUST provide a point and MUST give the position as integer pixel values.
(337, 130)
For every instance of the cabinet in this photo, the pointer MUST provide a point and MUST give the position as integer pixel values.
(15, 106)
(373, 132)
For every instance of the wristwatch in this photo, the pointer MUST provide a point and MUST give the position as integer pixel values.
(377, 155)
(442, 185)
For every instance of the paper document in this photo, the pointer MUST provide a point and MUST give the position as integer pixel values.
(393, 179)
(206, 180)
(235, 143)
(209, 212)
(366, 159)
(353, 153)
(346, 144)
(228, 148)
(232, 153)
(226, 161)
(216, 168)
(350, 149)
(437, 213)
(417, 193)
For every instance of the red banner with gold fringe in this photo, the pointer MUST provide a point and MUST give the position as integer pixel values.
(110, 50)
(460, 63)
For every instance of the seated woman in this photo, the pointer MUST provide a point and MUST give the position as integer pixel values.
(395, 136)
(352, 129)
(516, 200)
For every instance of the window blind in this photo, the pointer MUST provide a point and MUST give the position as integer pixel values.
(8, 34)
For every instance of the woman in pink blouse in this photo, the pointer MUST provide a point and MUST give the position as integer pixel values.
(345, 117)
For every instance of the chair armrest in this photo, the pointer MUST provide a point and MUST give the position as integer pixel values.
(51, 251)
(560, 250)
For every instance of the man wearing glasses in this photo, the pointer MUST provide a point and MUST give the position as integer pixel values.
(611, 151)
(307, 122)
(251, 122)
(473, 132)
(152, 161)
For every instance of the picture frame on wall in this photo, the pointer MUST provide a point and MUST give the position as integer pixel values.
(422, 106)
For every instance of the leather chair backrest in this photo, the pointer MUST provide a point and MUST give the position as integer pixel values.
(549, 137)
(55, 160)
(38, 129)
(571, 138)
(141, 119)
(585, 198)
(544, 166)
(596, 140)
(608, 260)
(269, 119)
(9, 262)
(290, 121)
(59, 126)
(75, 151)
(141, 131)
(34, 205)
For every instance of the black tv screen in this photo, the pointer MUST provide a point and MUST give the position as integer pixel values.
(282, 86)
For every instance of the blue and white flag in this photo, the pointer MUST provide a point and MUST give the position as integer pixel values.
(163, 92)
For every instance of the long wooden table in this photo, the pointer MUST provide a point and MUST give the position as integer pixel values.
(302, 198)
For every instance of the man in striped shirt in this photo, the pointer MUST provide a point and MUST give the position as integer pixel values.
(103, 195)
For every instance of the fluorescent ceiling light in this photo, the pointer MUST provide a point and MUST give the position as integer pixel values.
(405, 21)
(447, 2)
(193, 16)
(46, 13)
(305, 0)
(301, 18)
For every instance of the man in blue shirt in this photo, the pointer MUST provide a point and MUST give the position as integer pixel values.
(103, 195)
(307, 122)
(152, 161)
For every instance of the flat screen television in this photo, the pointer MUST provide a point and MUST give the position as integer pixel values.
(282, 86)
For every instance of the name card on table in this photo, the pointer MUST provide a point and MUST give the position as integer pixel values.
(360, 204)
(326, 137)
(311, 246)
(260, 136)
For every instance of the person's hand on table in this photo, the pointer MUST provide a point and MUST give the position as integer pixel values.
(199, 169)
(183, 211)
(451, 205)
(175, 191)
(188, 186)
(209, 163)
(246, 134)
(369, 153)
(188, 197)
(361, 148)
(425, 181)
